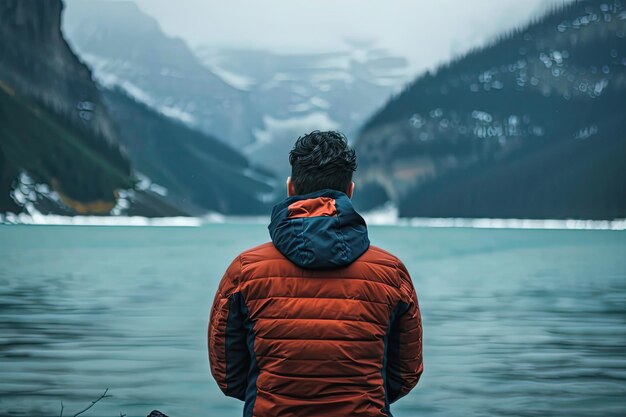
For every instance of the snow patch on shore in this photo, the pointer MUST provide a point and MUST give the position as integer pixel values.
(375, 219)
(56, 220)
(388, 216)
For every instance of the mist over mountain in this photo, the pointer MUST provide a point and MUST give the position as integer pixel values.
(126, 48)
(254, 100)
(531, 126)
(297, 93)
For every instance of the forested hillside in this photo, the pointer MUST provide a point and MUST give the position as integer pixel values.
(530, 126)
(199, 172)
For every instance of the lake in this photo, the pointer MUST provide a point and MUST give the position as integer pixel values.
(516, 322)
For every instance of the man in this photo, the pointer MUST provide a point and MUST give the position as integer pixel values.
(317, 322)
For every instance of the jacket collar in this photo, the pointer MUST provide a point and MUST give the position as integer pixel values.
(320, 230)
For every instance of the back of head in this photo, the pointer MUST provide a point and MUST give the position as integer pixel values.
(322, 160)
(317, 227)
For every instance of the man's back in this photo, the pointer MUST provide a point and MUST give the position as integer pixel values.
(317, 322)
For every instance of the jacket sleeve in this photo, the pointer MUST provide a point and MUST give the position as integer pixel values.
(227, 335)
(404, 364)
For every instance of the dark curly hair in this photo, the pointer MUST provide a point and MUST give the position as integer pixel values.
(322, 160)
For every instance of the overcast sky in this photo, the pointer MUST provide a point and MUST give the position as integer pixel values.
(426, 32)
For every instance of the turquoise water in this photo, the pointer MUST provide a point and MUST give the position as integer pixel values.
(516, 322)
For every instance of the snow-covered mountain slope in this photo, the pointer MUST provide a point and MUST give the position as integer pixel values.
(297, 93)
(255, 100)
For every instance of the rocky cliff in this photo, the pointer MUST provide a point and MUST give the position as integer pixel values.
(54, 127)
(38, 64)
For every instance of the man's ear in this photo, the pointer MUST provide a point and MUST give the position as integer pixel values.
(291, 189)
(350, 190)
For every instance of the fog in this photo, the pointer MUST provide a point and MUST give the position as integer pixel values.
(425, 32)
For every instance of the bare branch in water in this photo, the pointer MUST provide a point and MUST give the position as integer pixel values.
(90, 405)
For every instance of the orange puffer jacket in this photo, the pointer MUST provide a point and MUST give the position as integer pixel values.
(317, 322)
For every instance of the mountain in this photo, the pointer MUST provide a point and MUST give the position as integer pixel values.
(296, 93)
(58, 146)
(530, 126)
(254, 100)
(126, 48)
(192, 170)
(71, 147)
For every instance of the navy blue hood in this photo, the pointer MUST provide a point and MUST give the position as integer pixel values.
(333, 239)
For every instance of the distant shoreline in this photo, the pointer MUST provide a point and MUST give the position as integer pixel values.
(373, 219)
